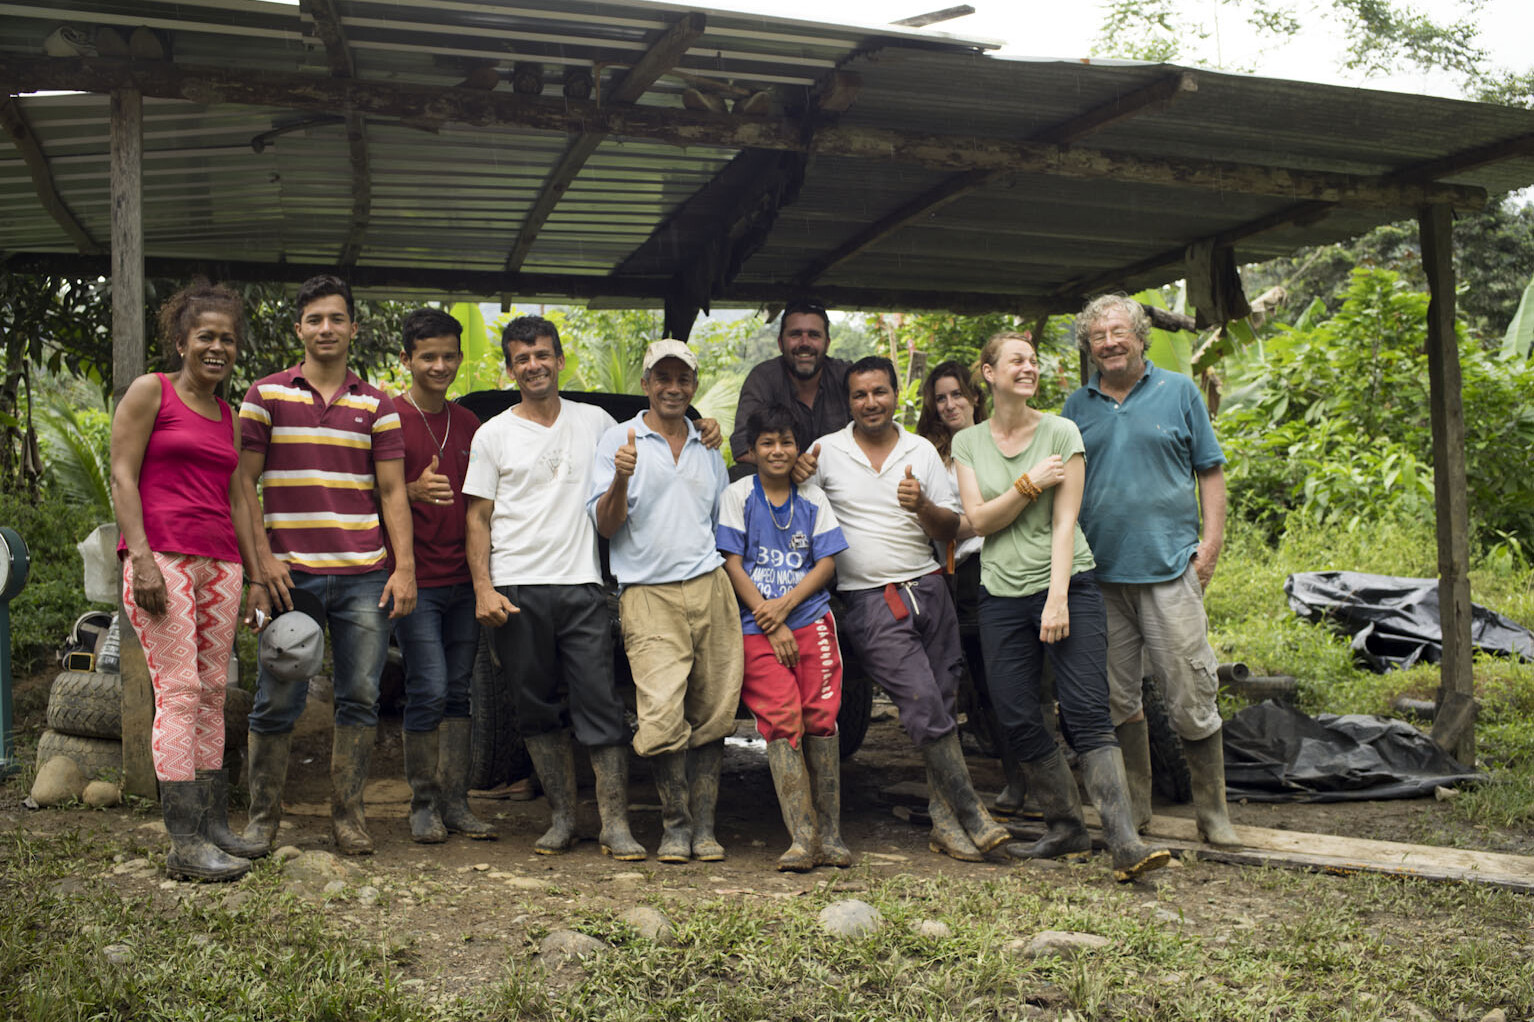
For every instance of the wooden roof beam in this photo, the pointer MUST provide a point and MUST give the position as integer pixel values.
(688, 128)
(1465, 160)
(657, 60)
(1152, 98)
(20, 130)
(327, 25)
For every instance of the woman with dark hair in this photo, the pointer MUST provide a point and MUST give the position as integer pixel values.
(185, 531)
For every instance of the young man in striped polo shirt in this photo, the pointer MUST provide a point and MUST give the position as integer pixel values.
(320, 441)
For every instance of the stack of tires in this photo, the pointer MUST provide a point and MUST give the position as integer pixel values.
(85, 715)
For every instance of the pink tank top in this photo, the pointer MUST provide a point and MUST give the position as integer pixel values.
(183, 484)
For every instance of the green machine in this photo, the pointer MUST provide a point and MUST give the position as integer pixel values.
(15, 564)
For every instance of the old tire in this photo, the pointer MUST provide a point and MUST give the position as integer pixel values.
(94, 756)
(857, 707)
(1169, 769)
(498, 755)
(88, 704)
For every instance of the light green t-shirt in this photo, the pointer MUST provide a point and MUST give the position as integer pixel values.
(1015, 561)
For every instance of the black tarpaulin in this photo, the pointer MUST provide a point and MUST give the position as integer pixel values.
(1275, 753)
(1394, 621)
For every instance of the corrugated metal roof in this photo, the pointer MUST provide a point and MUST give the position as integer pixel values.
(272, 185)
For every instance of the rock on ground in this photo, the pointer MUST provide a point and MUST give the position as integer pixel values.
(59, 781)
(851, 918)
(101, 794)
(318, 868)
(933, 929)
(1061, 944)
(651, 923)
(560, 946)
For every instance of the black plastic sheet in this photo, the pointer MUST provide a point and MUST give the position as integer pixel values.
(1275, 753)
(1394, 621)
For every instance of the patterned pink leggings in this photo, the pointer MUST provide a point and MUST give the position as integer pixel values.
(187, 649)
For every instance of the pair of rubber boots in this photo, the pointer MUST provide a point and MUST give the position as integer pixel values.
(1206, 769)
(961, 827)
(553, 756)
(196, 816)
(437, 769)
(809, 785)
(688, 784)
(351, 751)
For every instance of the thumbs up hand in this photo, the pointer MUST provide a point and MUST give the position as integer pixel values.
(626, 457)
(909, 493)
(430, 487)
(805, 465)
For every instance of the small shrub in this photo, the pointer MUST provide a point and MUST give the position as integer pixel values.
(54, 597)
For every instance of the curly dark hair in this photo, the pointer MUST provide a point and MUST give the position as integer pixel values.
(179, 314)
(930, 423)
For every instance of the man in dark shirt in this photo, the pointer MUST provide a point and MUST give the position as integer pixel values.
(803, 379)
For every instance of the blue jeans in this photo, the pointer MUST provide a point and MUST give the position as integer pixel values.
(438, 639)
(359, 645)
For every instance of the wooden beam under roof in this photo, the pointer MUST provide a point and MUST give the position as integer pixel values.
(327, 25)
(20, 130)
(1151, 98)
(1467, 159)
(667, 126)
(657, 60)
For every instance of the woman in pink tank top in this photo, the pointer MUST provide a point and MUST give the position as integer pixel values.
(185, 531)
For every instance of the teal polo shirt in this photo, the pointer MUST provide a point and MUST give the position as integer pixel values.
(1140, 510)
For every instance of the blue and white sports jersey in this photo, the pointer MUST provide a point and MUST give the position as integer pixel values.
(779, 545)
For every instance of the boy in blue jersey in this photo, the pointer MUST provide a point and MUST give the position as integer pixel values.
(778, 542)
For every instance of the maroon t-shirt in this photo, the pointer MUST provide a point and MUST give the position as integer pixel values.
(438, 528)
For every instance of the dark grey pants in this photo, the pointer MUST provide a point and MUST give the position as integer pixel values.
(917, 659)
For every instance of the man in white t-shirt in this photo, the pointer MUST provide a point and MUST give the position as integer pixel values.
(892, 497)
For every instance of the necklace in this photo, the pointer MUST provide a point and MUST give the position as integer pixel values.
(773, 514)
(441, 444)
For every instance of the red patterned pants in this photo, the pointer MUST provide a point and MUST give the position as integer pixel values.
(791, 702)
(187, 649)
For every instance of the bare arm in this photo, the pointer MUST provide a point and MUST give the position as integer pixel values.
(272, 572)
(936, 521)
(396, 515)
(131, 426)
(257, 598)
(490, 607)
(784, 646)
(988, 516)
(769, 614)
(1211, 501)
(1056, 620)
(613, 506)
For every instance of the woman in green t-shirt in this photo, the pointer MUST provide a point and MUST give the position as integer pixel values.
(1021, 474)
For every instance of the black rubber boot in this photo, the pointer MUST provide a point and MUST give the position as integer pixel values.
(945, 765)
(1134, 742)
(1206, 764)
(792, 782)
(351, 750)
(553, 757)
(1052, 785)
(823, 756)
(670, 771)
(421, 750)
(703, 766)
(192, 856)
(610, 764)
(1103, 771)
(215, 825)
(268, 762)
(454, 754)
(1010, 801)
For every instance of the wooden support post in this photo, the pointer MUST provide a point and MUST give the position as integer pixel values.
(1454, 721)
(127, 132)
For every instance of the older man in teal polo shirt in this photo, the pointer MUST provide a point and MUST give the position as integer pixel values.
(1154, 514)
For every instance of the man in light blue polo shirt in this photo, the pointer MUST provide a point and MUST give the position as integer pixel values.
(1154, 470)
(655, 495)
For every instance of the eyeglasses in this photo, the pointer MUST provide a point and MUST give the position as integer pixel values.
(1118, 333)
(800, 307)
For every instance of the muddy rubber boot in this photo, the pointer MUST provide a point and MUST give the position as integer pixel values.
(351, 750)
(947, 837)
(421, 750)
(1206, 763)
(1103, 771)
(192, 856)
(823, 757)
(1010, 801)
(553, 757)
(454, 754)
(703, 766)
(1134, 742)
(267, 756)
(215, 825)
(610, 764)
(792, 782)
(945, 764)
(1052, 785)
(670, 772)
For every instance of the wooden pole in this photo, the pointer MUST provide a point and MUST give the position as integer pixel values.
(127, 133)
(1454, 721)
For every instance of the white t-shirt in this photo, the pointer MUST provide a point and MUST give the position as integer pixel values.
(885, 542)
(539, 477)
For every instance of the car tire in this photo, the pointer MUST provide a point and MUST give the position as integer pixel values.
(88, 704)
(1170, 776)
(94, 756)
(857, 708)
(498, 755)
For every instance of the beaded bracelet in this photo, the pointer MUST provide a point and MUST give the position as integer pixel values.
(1026, 488)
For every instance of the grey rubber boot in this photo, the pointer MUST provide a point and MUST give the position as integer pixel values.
(703, 766)
(553, 756)
(610, 763)
(947, 836)
(454, 754)
(215, 825)
(1206, 763)
(670, 771)
(268, 763)
(421, 750)
(792, 782)
(945, 765)
(1134, 742)
(351, 751)
(823, 757)
(1054, 788)
(1010, 801)
(192, 856)
(1103, 771)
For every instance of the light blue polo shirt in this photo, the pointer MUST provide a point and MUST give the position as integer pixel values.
(673, 506)
(1140, 510)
